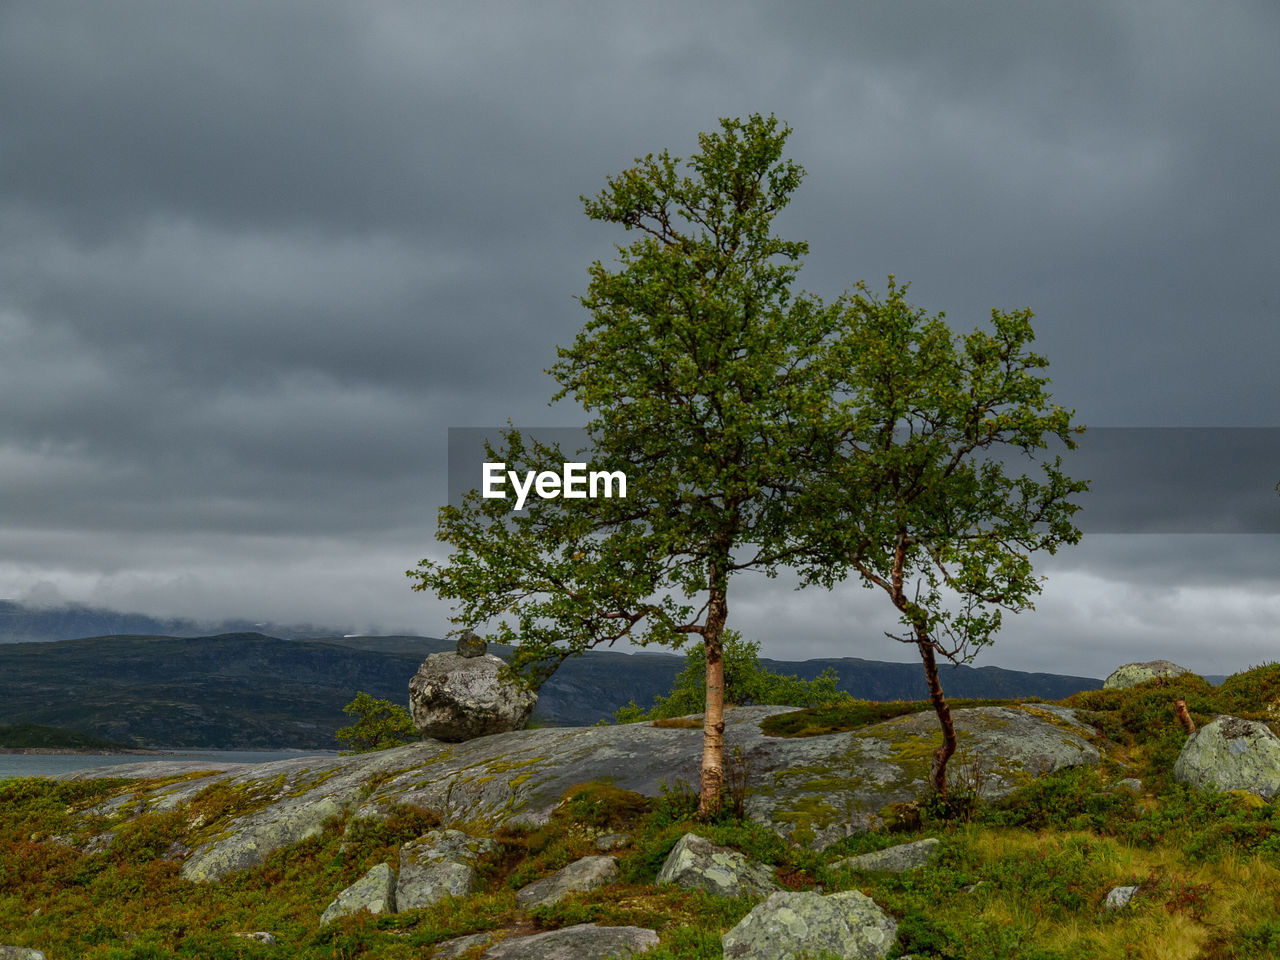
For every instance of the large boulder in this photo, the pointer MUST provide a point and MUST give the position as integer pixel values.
(1132, 674)
(438, 865)
(585, 874)
(791, 925)
(696, 863)
(456, 698)
(1231, 754)
(375, 892)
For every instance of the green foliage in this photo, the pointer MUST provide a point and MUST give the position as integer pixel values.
(745, 682)
(380, 724)
(1071, 799)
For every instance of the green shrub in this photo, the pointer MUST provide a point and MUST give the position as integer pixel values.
(380, 724)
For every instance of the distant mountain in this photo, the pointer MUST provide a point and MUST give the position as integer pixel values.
(26, 624)
(248, 690)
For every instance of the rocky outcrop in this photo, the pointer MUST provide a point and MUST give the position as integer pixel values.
(1231, 754)
(585, 874)
(456, 697)
(438, 865)
(899, 859)
(20, 953)
(695, 863)
(375, 892)
(816, 789)
(586, 941)
(1132, 674)
(789, 925)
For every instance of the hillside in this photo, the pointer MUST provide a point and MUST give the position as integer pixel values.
(247, 690)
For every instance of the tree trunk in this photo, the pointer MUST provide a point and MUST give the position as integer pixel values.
(713, 719)
(938, 773)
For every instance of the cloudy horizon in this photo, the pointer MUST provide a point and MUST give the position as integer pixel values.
(256, 260)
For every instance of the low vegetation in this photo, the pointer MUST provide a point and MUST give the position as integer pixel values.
(1023, 877)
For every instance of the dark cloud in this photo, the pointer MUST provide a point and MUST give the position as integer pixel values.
(255, 260)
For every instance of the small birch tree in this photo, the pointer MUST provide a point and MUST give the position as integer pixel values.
(916, 503)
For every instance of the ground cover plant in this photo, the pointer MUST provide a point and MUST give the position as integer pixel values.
(1020, 877)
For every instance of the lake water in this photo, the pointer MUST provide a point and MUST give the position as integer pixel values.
(50, 764)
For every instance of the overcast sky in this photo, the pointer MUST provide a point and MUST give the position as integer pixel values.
(257, 258)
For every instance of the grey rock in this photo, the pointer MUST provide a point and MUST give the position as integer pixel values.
(899, 859)
(375, 892)
(1132, 674)
(438, 865)
(471, 645)
(585, 874)
(1229, 753)
(261, 936)
(456, 698)
(280, 825)
(695, 863)
(612, 841)
(1130, 783)
(1119, 897)
(586, 941)
(20, 953)
(460, 945)
(789, 925)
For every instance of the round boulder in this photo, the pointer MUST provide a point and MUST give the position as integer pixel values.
(1231, 754)
(791, 925)
(456, 698)
(1132, 674)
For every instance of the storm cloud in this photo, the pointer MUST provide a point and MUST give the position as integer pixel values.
(257, 259)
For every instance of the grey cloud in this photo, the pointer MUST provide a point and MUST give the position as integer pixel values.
(256, 259)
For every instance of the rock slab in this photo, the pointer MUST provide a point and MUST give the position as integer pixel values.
(899, 859)
(585, 874)
(586, 941)
(437, 865)
(375, 892)
(1132, 674)
(456, 698)
(695, 863)
(791, 925)
(1230, 753)
(20, 953)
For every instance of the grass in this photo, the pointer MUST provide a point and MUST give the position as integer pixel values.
(1022, 878)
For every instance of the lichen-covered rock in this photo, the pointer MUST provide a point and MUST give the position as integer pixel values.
(790, 925)
(818, 788)
(586, 941)
(1231, 754)
(1132, 674)
(439, 864)
(20, 953)
(696, 863)
(456, 698)
(279, 825)
(375, 892)
(899, 859)
(585, 874)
